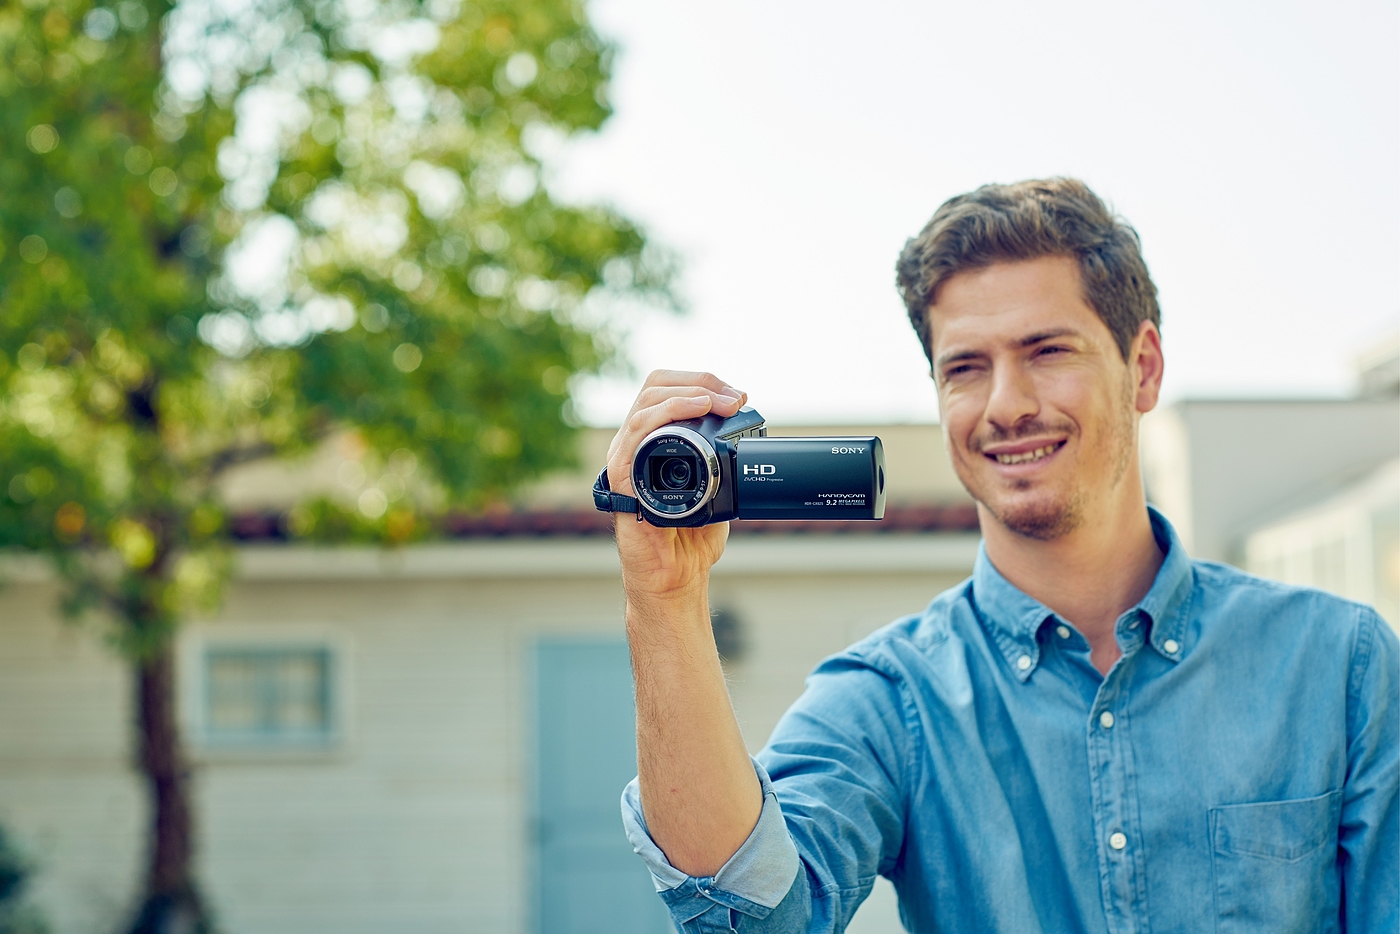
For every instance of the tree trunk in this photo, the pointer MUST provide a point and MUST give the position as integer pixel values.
(170, 903)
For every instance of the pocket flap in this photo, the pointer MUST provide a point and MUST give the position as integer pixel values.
(1285, 830)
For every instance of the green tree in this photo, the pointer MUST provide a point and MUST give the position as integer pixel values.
(231, 230)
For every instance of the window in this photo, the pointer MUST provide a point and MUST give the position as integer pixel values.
(268, 696)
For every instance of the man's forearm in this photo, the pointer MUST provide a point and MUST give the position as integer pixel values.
(700, 796)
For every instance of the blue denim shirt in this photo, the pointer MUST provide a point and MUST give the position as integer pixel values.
(1235, 771)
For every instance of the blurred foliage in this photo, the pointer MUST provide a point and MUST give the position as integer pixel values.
(232, 230)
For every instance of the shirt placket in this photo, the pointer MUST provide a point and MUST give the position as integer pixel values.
(1117, 833)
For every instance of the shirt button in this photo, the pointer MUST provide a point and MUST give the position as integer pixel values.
(1117, 841)
(1171, 646)
(1106, 720)
(1023, 662)
(1062, 632)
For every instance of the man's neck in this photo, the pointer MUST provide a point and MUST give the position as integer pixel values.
(1090, 576)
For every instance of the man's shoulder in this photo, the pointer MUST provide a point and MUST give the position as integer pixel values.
(1228, 596)
(920, 632)
(914, 652)
(1223, 585)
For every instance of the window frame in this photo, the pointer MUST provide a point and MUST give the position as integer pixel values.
(199, 645)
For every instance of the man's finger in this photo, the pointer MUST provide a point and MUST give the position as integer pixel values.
(655, 395)
(644, 421)
(688, 378)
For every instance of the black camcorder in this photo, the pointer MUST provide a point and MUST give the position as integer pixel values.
(713, 469)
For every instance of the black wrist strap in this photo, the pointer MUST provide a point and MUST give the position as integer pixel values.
(605, 500)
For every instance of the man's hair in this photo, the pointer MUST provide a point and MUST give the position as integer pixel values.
(1027, 220)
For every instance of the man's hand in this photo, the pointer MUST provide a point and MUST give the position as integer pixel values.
(659, 564)
(700, 796)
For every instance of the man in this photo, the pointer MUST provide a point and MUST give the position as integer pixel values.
(1093, 732)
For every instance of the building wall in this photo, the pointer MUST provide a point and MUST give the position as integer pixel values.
(1348, 543)
(418, 821)
(67, 793)
(1221, 468)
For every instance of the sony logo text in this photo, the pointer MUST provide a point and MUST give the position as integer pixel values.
(845, 450)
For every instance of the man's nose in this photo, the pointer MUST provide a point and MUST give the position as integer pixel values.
(1013, 398)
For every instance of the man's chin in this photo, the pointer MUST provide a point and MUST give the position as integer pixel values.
(1043, 521)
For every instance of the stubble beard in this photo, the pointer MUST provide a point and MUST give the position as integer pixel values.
(1043, 521)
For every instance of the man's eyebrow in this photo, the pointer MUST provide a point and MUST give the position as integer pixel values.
(959, 355)
(1049, 335)
(1029, 340)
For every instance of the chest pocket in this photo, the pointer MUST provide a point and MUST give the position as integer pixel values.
(1275, 865)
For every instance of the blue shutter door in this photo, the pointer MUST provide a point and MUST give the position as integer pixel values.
(588, 879)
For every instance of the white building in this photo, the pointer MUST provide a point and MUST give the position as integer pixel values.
(1348, 543)
(1221, 468)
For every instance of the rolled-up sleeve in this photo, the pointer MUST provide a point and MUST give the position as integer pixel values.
(832, 818)
(753, 882)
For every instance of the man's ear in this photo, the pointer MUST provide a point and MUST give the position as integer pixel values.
(1146, 363)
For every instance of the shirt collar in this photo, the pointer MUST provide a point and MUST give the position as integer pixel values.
(1013, 618)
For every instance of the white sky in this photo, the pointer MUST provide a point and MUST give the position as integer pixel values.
(788, 149)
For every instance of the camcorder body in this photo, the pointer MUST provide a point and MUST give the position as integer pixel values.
(713, 469)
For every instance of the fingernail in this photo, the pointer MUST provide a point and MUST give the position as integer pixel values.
(702, 400)
(732, 392)
(726, 397)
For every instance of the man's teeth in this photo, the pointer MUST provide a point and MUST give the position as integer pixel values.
(1035, 455)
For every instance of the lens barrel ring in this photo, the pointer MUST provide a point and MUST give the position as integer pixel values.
(703, 451)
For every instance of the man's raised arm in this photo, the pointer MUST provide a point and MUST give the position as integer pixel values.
(700, 796)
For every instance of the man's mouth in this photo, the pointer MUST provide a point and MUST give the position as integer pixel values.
(1026, 457)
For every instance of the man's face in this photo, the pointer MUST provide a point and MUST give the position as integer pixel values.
(1039, 408)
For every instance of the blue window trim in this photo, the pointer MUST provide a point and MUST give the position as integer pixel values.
(269, 735)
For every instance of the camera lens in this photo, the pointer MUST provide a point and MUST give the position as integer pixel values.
(676, 473)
